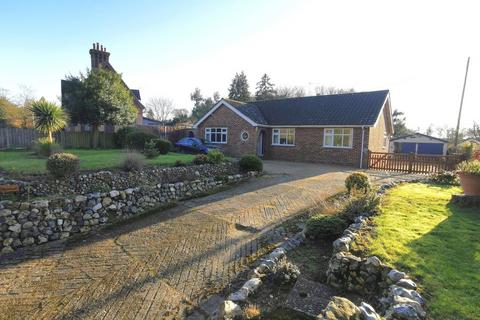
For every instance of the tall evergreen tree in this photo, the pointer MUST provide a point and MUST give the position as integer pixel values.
(265, 89)
(239, 89)
(99, 97)
(399, 126)
(202, 105)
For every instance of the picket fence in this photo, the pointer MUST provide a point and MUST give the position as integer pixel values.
(412, 163)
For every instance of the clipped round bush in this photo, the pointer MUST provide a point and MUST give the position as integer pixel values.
(215, 157)
(133, 161)
(151, 150)
(357, 181)
(200, 159)
(45, 148)
(163, 146)
(325, 226)
(62, 165)
(137, 139)
(250, 163)
(120, 137)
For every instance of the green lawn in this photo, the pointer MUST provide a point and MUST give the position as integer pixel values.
(28, 162)
(436, 243)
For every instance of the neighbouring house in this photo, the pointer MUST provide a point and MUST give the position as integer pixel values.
(419, 143)
(100, 58)
(151, 122)
(339, 128)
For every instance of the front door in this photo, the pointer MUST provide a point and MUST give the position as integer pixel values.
(260, 143)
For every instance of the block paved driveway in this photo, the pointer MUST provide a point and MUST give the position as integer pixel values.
(155, 266)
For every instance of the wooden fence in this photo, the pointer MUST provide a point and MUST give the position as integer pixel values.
(11, 138)
(412, 163)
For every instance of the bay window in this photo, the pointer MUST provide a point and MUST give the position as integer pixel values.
(283, 136)
(338, 137)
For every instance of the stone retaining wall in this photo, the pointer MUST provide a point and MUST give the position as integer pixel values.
(103, 181)
(398, 294)
(36, 222)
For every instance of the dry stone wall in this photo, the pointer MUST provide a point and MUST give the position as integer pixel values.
(399, 299)
(103, 181)
(28, 223)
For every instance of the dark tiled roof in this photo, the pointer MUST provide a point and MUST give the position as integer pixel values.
(248, 109)
(361, 108)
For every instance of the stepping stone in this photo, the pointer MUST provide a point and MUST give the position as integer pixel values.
(309, 297)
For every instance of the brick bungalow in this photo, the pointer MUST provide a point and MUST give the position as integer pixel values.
(327, 129)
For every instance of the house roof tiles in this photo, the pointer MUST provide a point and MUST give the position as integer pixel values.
(361, 108)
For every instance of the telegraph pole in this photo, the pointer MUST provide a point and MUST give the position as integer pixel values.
(461, 105)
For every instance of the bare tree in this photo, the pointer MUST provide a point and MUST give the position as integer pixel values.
(4, 93)
(474, 131)
(289, 92)
(323, 90)
(161, 108)
(25, 96)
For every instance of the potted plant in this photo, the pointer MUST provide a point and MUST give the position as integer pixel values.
(469, 173)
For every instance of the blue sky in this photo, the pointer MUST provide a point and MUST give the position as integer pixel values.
(417, 50)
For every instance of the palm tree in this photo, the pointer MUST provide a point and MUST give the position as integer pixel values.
(48, 117)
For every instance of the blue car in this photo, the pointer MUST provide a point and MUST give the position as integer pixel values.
(194, 145)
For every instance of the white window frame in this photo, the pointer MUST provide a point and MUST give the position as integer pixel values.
(242, 133)
(223, 134)
(277, 132)
(330, 132)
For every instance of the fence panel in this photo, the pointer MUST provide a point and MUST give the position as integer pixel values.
(412, 163)
(11, 138)
(17, 137)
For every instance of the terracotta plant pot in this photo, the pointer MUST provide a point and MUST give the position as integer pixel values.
(470, 183)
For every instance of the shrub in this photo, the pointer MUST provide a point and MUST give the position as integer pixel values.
(325, 227)
(215, 157)
(251, 163)
(120, 137)
(471, 167)
(62, 165)
(357, 181)
(445, 177)
(137, 139)
(365, 203)
(163, 146)
(200, 159)
(133, 161)
(180, 163)
(45, 148)
(150, 150)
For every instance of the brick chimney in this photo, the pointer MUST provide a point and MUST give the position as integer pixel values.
(99, 56)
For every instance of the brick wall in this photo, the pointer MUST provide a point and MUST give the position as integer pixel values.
(309, 148)
(377, 134)
(308, 141)
(225, 118)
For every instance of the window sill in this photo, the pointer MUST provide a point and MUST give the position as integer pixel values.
(282, 145)
(216, 142)
(332, 147)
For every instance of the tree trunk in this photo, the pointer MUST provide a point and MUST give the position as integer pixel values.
(94, 138)
(50, 137)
